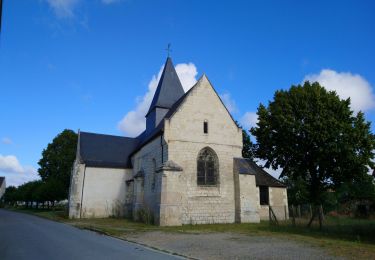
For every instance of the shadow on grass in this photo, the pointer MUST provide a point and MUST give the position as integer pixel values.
(342, 228)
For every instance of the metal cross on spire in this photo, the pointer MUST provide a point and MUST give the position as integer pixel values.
(168, 49)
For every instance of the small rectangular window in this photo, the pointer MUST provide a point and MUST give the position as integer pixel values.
(263, 195)
(205, 127)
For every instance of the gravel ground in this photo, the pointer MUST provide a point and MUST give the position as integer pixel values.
(229, 246)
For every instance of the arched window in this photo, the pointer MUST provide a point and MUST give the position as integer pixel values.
(207, 167)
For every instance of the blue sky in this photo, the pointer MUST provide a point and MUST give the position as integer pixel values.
(92, 65)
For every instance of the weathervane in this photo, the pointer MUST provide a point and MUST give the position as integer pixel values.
(168, 49)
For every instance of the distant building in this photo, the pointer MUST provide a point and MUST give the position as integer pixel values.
(2, 186)
(185, 168)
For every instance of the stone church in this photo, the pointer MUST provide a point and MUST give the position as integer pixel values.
(185, 168)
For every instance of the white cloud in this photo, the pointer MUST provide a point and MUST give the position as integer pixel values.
(347, 85)
(134, 122)
(229, 102)
(248, 120)
(9, 163)
(187, 73)
(63, 8)
(16, 174)
(6, 140)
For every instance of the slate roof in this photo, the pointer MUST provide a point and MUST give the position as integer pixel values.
(98, 150)
(1, 180)
(262, 178)
(146, 137)
(169, 88)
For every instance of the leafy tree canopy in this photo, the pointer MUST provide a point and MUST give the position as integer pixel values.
(247, 149)
(313, 135)
(248, 146)
(10, 194)
(57, 159)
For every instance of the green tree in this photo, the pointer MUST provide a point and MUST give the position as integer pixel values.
(10, 195)
(248, 146)
(297, 191)
(361, 187)
(26, 191)
(54, 190)
(37, 194)
(247, 149)
(313, 135)
(57, 159)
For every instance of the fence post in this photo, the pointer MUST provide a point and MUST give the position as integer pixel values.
(269, 214)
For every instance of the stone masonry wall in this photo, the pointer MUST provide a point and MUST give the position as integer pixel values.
(147, 160)
(104, 192)
(185, 138)
(247, 206)
(97, 192)
(278, 200)
(75, 192)
(2, 189)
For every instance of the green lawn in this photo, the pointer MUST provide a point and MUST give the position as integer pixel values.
(342, 236)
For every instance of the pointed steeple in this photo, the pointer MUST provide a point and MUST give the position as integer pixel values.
(169, 88)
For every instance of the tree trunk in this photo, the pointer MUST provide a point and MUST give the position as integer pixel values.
(293, 217)
(321, 209)
(320, 217)
(312, 217)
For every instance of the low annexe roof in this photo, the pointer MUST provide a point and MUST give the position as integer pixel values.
(262, 178)
(98, 150)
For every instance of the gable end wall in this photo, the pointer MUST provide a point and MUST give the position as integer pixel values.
(185, 138)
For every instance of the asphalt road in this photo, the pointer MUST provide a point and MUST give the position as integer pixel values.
(25, 236)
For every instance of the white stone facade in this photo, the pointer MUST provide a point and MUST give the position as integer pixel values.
(163, 181)
(2, 188)
(278, 200)
(97, 192)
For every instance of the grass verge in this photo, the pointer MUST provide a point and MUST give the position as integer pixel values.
(350, 238)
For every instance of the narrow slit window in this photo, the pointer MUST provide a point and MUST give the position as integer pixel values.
(205, 127)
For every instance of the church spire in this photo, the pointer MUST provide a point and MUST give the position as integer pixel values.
(169, 88)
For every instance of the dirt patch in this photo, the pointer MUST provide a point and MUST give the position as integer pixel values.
(228, 246)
